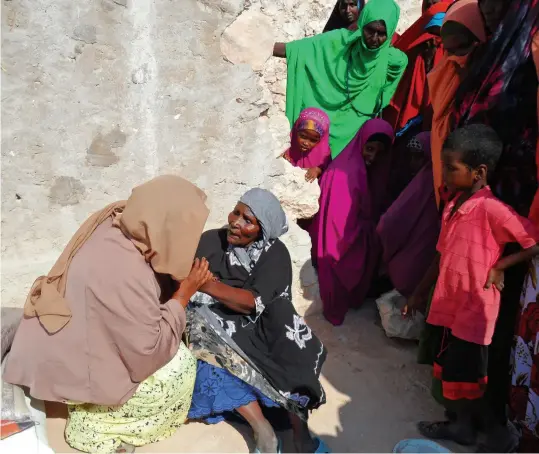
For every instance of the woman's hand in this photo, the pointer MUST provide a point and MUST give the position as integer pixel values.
(496, 277)
(286, 156)
(312, 174)
(279, 50)
(198, 276)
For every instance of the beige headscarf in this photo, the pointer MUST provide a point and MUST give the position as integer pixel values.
(164, 219)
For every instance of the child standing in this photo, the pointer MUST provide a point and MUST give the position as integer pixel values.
(309, 143)
(469, 271)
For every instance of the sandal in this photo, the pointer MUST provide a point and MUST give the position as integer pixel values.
(441, 430)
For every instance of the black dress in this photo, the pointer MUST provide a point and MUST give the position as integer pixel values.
(271, 349)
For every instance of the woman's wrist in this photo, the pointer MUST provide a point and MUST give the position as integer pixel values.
(182, 300)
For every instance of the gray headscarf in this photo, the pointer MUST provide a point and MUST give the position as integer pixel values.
(269, 213)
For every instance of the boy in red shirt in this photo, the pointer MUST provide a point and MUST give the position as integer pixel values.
(469, 273)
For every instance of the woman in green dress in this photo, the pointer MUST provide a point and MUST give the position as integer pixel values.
(352, 76)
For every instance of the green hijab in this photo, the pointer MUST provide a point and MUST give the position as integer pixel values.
(320, 69)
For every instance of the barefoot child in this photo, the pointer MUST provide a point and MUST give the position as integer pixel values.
(470, 272)
(309, 143)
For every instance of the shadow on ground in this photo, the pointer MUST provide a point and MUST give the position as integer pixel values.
(376, 391)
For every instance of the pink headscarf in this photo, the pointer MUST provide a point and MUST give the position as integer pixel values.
(320, 155)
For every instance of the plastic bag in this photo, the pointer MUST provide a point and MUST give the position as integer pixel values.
(15, 414)
(390, 306)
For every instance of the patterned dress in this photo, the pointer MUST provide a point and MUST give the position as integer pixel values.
(271, 356)
(155, 412)
(524, 401)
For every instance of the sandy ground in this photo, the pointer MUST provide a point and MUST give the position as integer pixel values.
(375, 394)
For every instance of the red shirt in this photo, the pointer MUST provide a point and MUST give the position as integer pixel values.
(470, 244)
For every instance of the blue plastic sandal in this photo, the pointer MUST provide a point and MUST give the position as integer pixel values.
(322, 447)
(419, 445)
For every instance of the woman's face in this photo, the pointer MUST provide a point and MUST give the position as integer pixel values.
(349, 11)
(375, 34)
(493, 12)
(457, 39)
(372, 149)
(243, 227)
(307, 139)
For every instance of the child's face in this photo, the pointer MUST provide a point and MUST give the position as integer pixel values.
(457, 175)
(307, 139)
(371, 150)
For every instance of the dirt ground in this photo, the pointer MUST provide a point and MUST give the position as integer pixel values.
(375, 394)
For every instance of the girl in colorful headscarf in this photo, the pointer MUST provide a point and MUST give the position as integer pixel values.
(309, 143)
(350, 75)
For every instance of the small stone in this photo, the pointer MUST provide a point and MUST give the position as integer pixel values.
(66, 191)
(177, 117)
(249, 39)
(298, 197)
(100, 150)
(141, 75)
(85, 33)
(121, 2)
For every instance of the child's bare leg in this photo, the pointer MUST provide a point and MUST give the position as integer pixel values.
(303, 441)
(265, 438)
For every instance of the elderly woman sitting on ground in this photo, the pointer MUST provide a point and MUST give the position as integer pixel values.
(102, 332)
(253, 348)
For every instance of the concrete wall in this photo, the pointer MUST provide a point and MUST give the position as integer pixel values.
(99, 96)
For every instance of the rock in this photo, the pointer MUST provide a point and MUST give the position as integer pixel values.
(100, 151)
(66, 191)
(249, 40)
(305, 293)
(298, 197)
(85, 33)
(196, 108)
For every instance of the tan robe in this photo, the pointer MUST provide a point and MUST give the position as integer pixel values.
(112, 291)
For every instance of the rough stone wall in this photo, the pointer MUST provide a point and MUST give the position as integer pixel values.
(102, 95)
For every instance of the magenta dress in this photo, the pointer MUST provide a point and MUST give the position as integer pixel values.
(409, 229)
(320, 155)
(345, 245)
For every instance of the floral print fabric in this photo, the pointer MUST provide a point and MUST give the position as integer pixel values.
(524, 400)
(155, 412)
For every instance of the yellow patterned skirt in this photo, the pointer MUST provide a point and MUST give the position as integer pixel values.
(157, 409)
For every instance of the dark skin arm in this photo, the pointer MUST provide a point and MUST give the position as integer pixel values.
(419, 298)
(496, 274)
(279, 50)
(236, 299)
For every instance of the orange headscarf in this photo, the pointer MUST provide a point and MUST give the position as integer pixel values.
(164, 219)
(443, 81)
(412, 96)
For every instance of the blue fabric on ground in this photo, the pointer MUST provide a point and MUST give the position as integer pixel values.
(218, 392)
